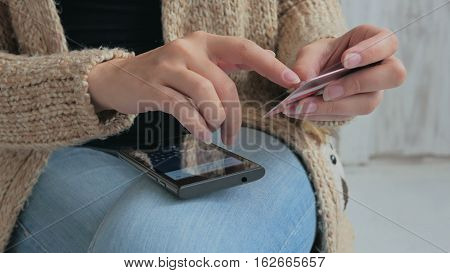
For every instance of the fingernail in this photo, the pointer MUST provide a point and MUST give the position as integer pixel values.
(310, 108)
(333, 92)
(290, 76)
(352, 60)
(205, 136)
(298, 109)
(305, 108)
(271, 52)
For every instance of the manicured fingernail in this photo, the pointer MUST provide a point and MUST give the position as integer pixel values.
(333, 92)
(352, 60)
(290, 76)
(311, 107)
(271, 52)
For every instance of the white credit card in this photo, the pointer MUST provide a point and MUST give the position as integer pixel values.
(313, 87)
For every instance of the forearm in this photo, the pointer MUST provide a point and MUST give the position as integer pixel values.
(45, 101)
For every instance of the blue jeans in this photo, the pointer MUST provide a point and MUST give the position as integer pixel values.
(87, 200)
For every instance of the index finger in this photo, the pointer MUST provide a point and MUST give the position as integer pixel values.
(240, 51)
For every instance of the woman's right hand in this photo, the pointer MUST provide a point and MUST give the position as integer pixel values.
(187, 79)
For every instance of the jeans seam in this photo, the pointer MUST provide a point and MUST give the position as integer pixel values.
(94, 237)
(31, 236)
(296, 228)
(93, 240)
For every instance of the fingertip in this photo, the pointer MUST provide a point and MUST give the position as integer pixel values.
(290, 77)
(351, 60)
(333, 91)
(227, 140)
(205, 136)
(271, 52)
(304, 73)
(223, 135)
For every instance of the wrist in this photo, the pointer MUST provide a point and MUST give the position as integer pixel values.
(100, 80)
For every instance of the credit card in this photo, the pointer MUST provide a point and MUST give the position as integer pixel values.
(314, 86)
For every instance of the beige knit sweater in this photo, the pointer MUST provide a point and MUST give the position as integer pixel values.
(45, 104)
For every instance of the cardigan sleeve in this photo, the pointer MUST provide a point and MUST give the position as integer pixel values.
(45, 103)
(302, 22)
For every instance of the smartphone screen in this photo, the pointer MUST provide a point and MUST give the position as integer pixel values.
(172, 164)
(187, 161)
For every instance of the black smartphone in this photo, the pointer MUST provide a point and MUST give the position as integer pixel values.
(188, 168)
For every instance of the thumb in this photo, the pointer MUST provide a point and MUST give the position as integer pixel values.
(310, 59)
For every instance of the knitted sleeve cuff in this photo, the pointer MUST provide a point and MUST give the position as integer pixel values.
(44, 100)
(332, 124)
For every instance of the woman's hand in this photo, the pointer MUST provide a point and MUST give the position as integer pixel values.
(187, 79)
(358, 93)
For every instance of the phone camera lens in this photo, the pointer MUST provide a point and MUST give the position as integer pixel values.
(244, 179)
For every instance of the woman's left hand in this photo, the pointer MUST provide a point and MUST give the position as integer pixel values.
(358, 93)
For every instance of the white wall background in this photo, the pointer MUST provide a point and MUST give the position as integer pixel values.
(415, 118)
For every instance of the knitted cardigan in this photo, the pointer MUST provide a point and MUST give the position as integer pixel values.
(45, 104)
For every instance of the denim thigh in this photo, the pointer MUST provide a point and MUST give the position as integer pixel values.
(87, 200)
